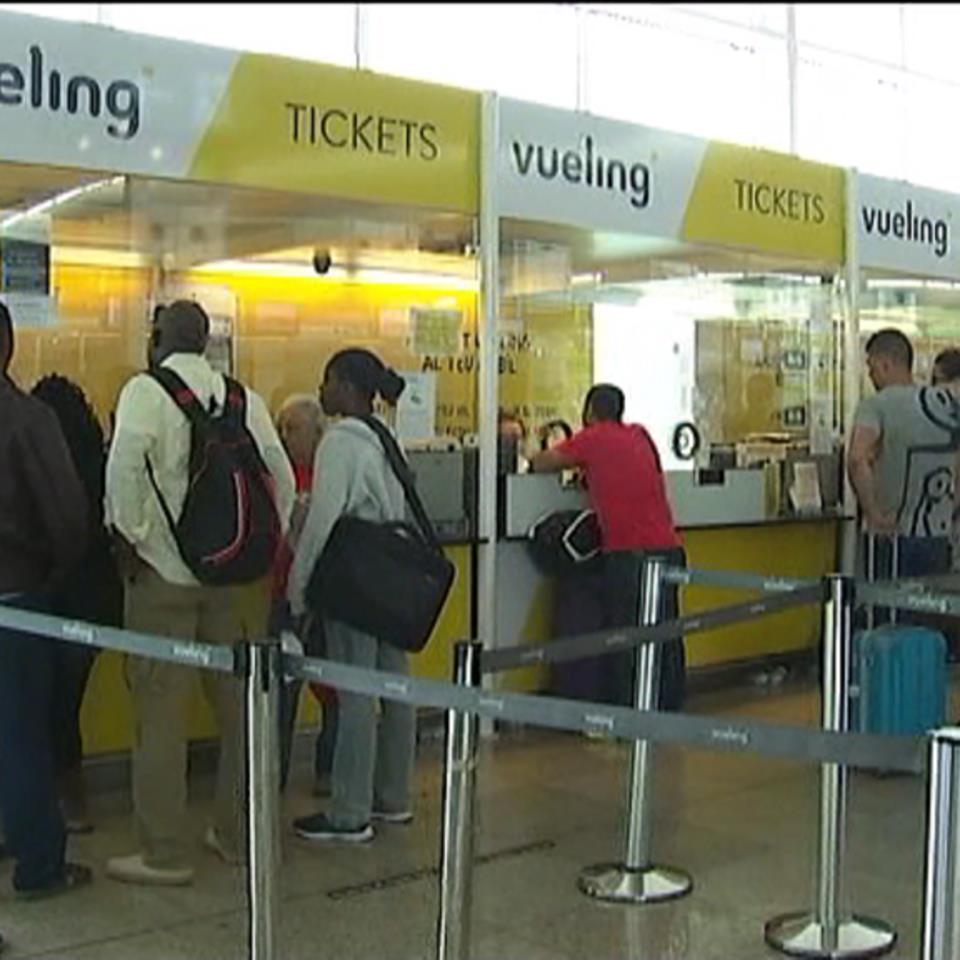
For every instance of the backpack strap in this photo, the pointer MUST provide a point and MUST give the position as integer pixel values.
(401, 471)
(235, 402)
(191, 407)
(178, 391)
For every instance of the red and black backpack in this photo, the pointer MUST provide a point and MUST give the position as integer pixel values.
(228, 531)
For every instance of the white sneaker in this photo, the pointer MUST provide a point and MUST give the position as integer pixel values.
(398, 816)
(133, 869)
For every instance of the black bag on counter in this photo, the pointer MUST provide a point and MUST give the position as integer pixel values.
(389, 580)
(561, 543)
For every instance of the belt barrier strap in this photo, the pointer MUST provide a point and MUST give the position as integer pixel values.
(683, 577)
(774, 740)
(612, 641)
(169, 649)
(908, 596)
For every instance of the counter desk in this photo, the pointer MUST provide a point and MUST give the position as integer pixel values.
(723, 526)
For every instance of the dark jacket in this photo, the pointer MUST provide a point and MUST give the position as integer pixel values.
(43, 508)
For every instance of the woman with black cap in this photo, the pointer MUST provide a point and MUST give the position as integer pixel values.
(372, 768)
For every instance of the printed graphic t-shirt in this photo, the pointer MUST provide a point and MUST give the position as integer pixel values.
(626, 485)
(914, 469)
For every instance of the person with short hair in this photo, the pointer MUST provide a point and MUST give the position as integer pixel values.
(148, 466)
(946, 368)
(900, 459)
(300, 426)
(628, 492)
(44, 531)
(372, 766)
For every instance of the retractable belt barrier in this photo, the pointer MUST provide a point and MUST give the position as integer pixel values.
(907, 754)
(611, 641)
(185, 652)
(735, 580)
(908, 595)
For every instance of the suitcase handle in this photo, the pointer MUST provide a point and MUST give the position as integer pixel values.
(872, 573)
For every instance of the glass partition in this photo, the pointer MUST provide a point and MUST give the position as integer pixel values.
(287, 281)
(927, 311)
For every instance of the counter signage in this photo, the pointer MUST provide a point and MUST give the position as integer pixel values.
(906, 228)
(557, 166)
(86, 96)
(767, 201)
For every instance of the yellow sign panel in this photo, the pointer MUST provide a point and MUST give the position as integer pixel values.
(306, 127)
(770, 202)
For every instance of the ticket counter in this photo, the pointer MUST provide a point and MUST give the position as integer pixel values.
(307, 207)
(706, 281)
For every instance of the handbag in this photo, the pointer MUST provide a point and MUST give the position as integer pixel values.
(562, 542)
(389, 580)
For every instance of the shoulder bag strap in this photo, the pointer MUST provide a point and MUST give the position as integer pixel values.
(402, 472)
(191, 407)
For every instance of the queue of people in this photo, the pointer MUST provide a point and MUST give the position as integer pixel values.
(124, 538)
(112, 538)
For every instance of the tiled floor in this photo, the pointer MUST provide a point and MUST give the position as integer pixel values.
(548, 805)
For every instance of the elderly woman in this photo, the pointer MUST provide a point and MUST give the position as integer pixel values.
(300, 425)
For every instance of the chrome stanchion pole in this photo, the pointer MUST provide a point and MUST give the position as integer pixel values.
(459, 781)
(829, 931)
(263, 790)
(637, 879)
(941, 931)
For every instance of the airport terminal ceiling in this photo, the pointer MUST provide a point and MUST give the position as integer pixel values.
(287, 279)
(179, 225)
(565, 263)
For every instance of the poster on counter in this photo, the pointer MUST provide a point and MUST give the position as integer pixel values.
(436, 331)
(25, 270)
(417, 407)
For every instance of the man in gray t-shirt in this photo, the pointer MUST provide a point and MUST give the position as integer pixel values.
(901, 452)
(912, 429)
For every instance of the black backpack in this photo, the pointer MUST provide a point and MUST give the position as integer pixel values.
(388, 580)
(228, 531)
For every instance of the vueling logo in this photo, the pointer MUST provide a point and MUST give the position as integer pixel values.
(120, 101)
(587, 167)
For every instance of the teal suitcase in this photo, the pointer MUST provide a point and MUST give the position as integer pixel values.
(900, 680)
(899, 671)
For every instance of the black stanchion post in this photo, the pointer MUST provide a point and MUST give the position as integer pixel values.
(459, 782)
(828, 931)
(637, 879)
(263, 679)
(941, 930)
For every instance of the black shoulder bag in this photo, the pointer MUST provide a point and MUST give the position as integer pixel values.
(389, 580)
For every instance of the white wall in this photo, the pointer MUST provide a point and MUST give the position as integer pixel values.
(648, 351)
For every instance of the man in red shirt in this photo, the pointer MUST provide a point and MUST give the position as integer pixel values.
(625, 481)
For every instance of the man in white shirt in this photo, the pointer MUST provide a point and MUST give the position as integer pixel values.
(163, 597)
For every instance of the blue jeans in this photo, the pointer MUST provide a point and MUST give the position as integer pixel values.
(29, 804)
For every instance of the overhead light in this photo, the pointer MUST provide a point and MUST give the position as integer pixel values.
(371, 275)
(912, 284)
(61, 198)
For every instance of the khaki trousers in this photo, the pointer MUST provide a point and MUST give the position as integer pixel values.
(162, 693)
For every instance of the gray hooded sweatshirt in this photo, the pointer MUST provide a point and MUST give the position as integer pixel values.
(352, 477)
